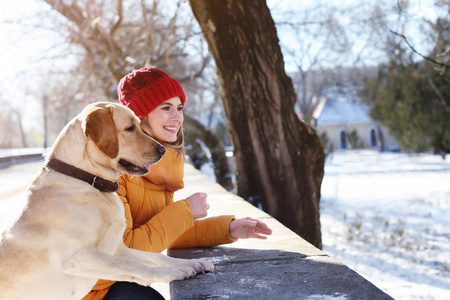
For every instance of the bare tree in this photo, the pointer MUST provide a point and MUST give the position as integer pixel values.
(279, 159)
(323, 36)
(9, 129)
(65, 94)
(117, 37)
(221, 168)
(12, 130)
(315, 39)
(19, 116)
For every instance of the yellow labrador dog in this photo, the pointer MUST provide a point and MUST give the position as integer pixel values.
(70, 232)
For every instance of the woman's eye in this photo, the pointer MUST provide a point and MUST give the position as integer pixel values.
(131, 128)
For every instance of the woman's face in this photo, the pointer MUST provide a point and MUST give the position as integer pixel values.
(165, 120)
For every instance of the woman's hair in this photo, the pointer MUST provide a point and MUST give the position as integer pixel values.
(178, 145)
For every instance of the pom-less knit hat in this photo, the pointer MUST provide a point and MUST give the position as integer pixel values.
(145, 89)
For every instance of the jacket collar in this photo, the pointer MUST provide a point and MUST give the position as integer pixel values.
(168, 172)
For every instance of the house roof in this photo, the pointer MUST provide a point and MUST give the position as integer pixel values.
(331, 111)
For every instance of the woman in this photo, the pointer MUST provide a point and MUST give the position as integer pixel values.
(154, 221)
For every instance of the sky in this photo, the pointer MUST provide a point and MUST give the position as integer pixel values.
(21, 51)
(22, 44)
(25, 45)
(358, 41)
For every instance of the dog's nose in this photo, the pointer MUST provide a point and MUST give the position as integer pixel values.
(161, 149)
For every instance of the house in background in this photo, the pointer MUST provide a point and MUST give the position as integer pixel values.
(348, 125)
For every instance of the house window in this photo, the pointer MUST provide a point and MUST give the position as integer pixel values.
(373, 138)
(343, 138)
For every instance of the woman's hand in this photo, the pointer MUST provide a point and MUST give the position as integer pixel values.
(249, 228)
(199, 206)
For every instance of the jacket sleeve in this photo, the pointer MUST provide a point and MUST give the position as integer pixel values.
(152, 236)
(206, 233)
(161, 230)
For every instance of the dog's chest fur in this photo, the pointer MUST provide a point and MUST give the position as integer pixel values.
(77, 217)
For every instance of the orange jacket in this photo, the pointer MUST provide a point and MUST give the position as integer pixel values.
(155, 222)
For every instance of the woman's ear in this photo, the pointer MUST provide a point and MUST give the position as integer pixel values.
(99, 126)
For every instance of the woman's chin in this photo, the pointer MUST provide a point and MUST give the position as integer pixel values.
(168, 141)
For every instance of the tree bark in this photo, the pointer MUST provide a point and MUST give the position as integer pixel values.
(193, 130)
(279, 160)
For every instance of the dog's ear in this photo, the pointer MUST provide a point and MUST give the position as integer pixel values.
(100, 128)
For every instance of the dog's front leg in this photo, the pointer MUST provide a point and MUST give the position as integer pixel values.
(92, 263)
(160, 260)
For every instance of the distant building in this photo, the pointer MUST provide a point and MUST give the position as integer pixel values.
(348, 126)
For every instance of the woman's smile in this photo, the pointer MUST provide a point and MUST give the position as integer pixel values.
(171, 128)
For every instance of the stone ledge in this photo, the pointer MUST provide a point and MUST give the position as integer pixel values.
(270, 274)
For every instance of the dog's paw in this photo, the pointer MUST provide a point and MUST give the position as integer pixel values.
(201, 265)
(168, 274)
(180, 272)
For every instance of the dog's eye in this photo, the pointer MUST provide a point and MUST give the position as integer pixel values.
(131, 128)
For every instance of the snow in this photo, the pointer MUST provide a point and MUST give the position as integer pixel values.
(386, 216)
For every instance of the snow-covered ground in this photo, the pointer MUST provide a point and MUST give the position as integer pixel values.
(387, 216)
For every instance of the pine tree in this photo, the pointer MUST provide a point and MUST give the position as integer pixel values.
(414, 102)
(413, 98)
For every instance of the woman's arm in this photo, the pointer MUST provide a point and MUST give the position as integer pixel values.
(206, 233)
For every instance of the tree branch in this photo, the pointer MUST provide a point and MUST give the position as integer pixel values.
(420, 54)
(199, 73)
(120, 14)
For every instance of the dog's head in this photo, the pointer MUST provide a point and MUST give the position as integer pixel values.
(117, 134)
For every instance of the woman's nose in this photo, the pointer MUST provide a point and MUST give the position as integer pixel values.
(177, 115)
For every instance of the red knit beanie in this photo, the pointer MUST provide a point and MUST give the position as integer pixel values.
(145, 89)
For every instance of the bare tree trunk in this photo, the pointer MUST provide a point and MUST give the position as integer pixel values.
(195, 129)
(45, 119)
(279, 160)
(23, 139)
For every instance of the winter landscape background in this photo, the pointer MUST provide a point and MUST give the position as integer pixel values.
(386, 216)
